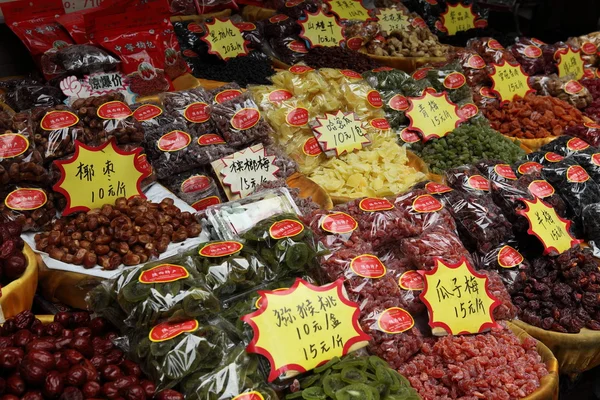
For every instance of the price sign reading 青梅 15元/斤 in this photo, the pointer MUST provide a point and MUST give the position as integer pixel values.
(349, 9)
(225, 39)
(547, 226)
(321, 30)
(341, 132)
(509, 81)
(433, 114)
(458, 299)
(458, 18)
(95, 176)
(299, 328)
(570, 63)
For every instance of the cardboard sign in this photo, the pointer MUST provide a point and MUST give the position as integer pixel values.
(320, 29)
(299, 328)
(570, 63)
(457, 18)
(433, 115)
(95, 176)
(392, 19)
(509, 81)
(341, 132)
(349, 9)
(225, 39)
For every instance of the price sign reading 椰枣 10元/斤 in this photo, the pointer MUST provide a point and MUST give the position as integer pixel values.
(433, 114)
(96, 176)
(570, 63)
(392, 19)
(299, 328)
(321, 30)
(458, 299)
(341, 132)
(509, 81)
(458, 18)
(547, 226)
(349, 9)
(225, 39)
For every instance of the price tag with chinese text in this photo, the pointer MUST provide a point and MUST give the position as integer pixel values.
(321, 30)
(570, 63)
(95, 176)
(392, 19)
(341, 132)
(299, 328)
(509, 81)
(349, 9)
(433, 115)
(548, 227)
(457, 18)
(458, 299)
(225, 39)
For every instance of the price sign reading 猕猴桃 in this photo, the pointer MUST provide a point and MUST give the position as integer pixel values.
(95, 176)
(548, 226)
(392, 19)
(349, 9)
(299, 328)
(320, 29)
(509, 81)
(458, 18)
(433, 115)
(570, 63)
(458, 299)
(225, 39)
(341, 132)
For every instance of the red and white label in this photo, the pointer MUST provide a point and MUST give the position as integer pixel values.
(509, 257)
(206, 202)
(573, 87)
(478, 182)
(588, 73)
(596, 158)
(420, 73)
(250, 395)
(114, 110)
(195, 28)
(278, 18)
(368, 266)
(311, 147)
(196, 183)
(440, 26)
(395, 320)
(532, 51)
(227, 95)
(487, 92)
(455, 80)
(297, 46)
(418, 22)
(577, 144)
(553, 157)
(277, 96)
(190, 53)
(348, 73)
(220, 249)
(300, 69)
(285, 229)
(426, 204)
(245, 26)
(480, 23)
(372, 204)
(147, 112)
(246, 118)
(380, 123)
(210, 139)
(409, 136)
(538, 42)
(437, 188)
(494, 44)
(339, 223)
(374, 99)
(411, 280)
(164, 273)
(58, 120)
(398, 103)
(383, 69)
(297, 117)
(354, 43)
(174, 141)
(169, 330)
(476, 62)
(293, 3)
(589, 48)
(468, 111)
(142, 164)
(505, 171)
(541, 189)
(26, 199)
(591, 125)
(12, 145)
(529, 167)
(577, 174)
(197, 113)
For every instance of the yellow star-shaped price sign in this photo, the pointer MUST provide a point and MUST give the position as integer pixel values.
(458, 299)
(321, 30)
(349, 9)
(457, 18)
(95, 176)
(548, 226)
(392, 19)
(300, 328)
(225, 39)
(509, 81)
(341, 132)
(570, 63)
(433, 114)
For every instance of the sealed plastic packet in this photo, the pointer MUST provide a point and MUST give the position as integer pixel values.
(192, 107)
(85, 59)
(24, 97)
(225, 93)
(300, 80)
(31, 206)
(506, 260)
(451, 79)
(564, 89)
(473, 67)
(194, 185)
(55, 131)
(528, 53)
(566, 146)
(589, 132)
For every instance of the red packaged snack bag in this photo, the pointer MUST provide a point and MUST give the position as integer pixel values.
(210, 6)
(74, 23)
(34, 22)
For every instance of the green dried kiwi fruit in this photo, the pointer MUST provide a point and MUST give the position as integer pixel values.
(353, 375)
(333, 383)
(327, 365)
(357, 391)
(200, 301)
(297, 256)
(313, 393)
(168, 288)
(309, 381)
(135, 291)
(295, 395)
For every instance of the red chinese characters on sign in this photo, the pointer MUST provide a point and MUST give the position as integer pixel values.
(311, 147)
(478, 182)
(577, 144)
(209, 139)
(246, 118)
(437, 188)
(372, 204)
(163, 273)
(147, 112)
(577, 174)
(339, 223)
(368, 266)
(12, 145)
(197, 113)
(26, 199)
(227, 95)
(114, 110)
(398, 103)
(277, 96)
(505, 171)
(541, 189)
(509, 257)
(455, 80)
(529, 167)
(285, 229)
(196, 183)
(58, 120)
(297, 117)
(426, 204)
(411, 280)
(169, 330)
(395, 320)
(174, 141)
(220, 249)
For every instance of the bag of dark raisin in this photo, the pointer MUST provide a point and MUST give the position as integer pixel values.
(193, 186)
(468, 179)
(192, 107)
(85, 59)
(279, 26)
(225, 93)
(528, 53)
(589, 131)
(31, 206)
(589, 159)
(536, 161)
(590, 219)
(506, 260)
(26, 97)
(290, 49)
(473, 66)
(152, 115)
(566, 146)
(250, 32)
(506, 310)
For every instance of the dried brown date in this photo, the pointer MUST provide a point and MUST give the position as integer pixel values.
(55, 131)
(32, 207)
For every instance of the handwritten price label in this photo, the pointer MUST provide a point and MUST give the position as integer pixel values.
(95, 176)
(433, 115)
(349, 9)
(458, 299)
(392, 19)
(570, 63)
(298, 328)
(225, 39)
(321, 30)
(457, 18)
(509, 81)
(548, 227)
(341, 132)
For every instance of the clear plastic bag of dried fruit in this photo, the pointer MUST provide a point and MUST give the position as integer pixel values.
(590, 218)
(55, 131)
(567, 146)
(490, 50)
(192, 107)
(483, 97)
(450, 79)
(588, 131)
(468, 179)
(31, 206)
(85, 59)
(192, 186)
(589, 47)
(300, 80)
(419, 211)
(306, 152)
(363, 100)
(334, 229)
(473, 66)
(528, 52)
(565, 89)
(589, 159)
(290, 119)
(152, 115)
(25, 97)
(386, 78)
(225, 93)
(506, 260)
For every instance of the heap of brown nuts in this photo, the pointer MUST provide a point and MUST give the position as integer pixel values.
(411, 42)
(131, 232)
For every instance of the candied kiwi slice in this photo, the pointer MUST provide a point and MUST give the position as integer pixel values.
(401, 378)
(135, 291)
(309, 381)
(353, 375)
(332, 383)
(357, 391)
(327, 365)
(375, 361)
(383, 375)
(159, 349)
(350, 362)
(313, 393)
(295, 395)
(297, 256)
